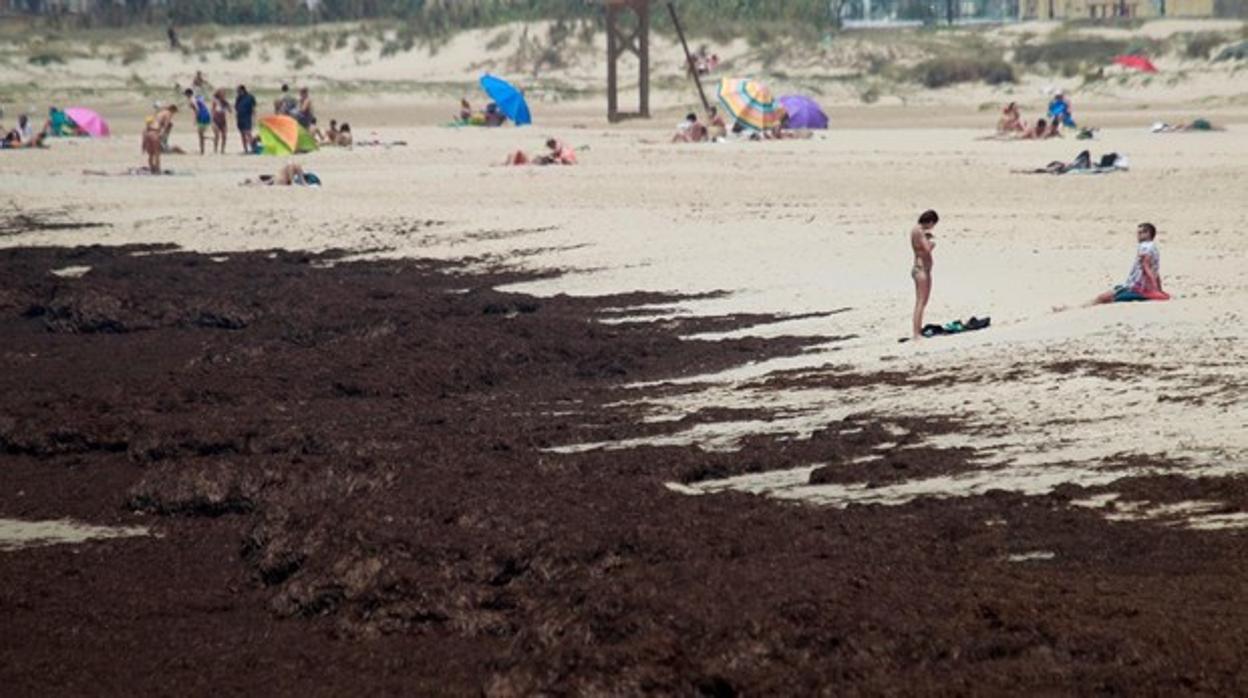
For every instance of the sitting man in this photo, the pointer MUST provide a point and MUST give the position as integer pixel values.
(1144, 281)
(690, 130)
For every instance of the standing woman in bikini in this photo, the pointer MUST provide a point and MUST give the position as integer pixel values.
(923, 242)
(220, 113)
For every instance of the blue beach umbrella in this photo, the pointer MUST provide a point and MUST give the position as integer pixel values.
(510, 100)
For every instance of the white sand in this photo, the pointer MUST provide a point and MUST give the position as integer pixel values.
(794, 227)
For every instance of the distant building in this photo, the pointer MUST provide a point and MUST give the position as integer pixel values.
(1108, 9)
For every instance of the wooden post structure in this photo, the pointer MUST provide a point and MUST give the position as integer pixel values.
(638, 42)
(689, 63)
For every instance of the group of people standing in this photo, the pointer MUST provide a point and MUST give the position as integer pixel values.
(211, 108)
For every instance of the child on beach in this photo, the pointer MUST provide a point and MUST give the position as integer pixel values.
(922, 241)
(1144, 281)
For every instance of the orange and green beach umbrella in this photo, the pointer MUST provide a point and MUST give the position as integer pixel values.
(750, 103)
(282, 135)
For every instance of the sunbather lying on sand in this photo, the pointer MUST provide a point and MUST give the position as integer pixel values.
(1109, 162)
(290, 175)
(1194, 125)
(1039, 132)
(557, 154)
(129, 172)
(1144, 281)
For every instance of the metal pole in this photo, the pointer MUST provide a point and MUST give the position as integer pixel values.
(693, 69)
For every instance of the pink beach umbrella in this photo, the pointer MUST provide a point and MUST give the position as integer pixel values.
(88, 121)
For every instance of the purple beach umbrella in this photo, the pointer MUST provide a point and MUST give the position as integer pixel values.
(804, 112)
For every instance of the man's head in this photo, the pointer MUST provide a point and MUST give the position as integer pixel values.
(188, 92)
(22, 120)
(303, 92)
(1146, 232)
(691, 117)
(285, 87)
(929, 218)
(242, 89)
(552, 143)
(1041, 124)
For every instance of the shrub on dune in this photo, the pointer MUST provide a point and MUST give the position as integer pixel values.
(951, 70)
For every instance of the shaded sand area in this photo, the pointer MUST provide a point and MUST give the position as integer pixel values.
(530, 462)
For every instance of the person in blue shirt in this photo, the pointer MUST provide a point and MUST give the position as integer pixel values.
(1059, 110)
(245, 112)
(203, 116)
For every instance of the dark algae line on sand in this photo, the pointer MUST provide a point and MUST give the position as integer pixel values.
(347, 466)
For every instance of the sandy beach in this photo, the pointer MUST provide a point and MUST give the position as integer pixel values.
(754, 437)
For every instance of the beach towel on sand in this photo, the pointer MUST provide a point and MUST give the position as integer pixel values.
(1082, 164)
(957, 327)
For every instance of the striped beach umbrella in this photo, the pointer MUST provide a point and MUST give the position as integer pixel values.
(750, 103)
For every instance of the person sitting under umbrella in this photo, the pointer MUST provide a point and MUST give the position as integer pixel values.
(493, 116)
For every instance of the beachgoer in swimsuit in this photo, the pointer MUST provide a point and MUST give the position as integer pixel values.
(292, 174)
(344, 139)
(154, 134)
(1144, 281)
(1011, 121)
(494, 117)
(304, 113)
(1038, 132)
(716, 128)
(690, 130)
(220, 110)
(922, 241)
(203, 116)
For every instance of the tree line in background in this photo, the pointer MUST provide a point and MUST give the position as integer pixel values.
(432, 16)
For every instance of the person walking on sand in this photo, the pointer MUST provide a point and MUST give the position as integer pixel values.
(1144, 281)
(923, 242)
(220, 127)
(244, 113)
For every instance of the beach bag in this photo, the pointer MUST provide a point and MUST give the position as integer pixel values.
(1109, 160)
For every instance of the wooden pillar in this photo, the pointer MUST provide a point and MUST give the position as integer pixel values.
(638, 43)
